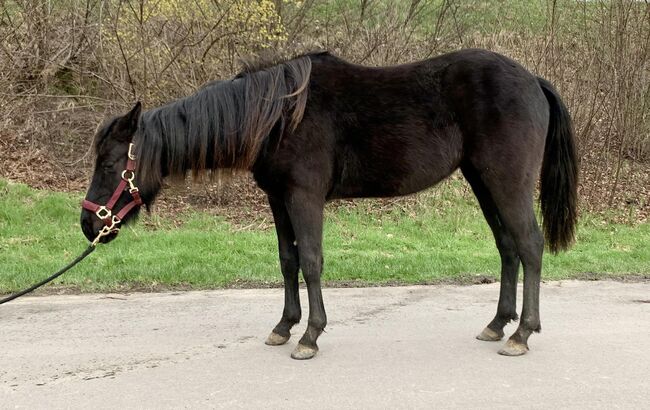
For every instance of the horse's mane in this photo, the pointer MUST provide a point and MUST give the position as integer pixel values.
(224, 124)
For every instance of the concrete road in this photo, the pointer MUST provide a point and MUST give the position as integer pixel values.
(407, 347)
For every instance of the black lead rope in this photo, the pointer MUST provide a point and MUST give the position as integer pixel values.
(79, 258)
(111, 222)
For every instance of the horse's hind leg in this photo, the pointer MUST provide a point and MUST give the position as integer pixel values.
(507, 307)
(289, 264)
(514, 202)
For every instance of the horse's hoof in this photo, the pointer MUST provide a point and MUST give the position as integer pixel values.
(275, 339)
(513, 348)
(489, 335)
(302, 352)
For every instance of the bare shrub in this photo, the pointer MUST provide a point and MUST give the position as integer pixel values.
(66, 64)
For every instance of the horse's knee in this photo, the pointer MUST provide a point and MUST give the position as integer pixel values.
(507, 249)
(312, 267)
(289, 263)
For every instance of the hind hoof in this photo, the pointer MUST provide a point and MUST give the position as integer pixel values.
(513, 348)
(275, 339)
(489, 335)
(302, 352)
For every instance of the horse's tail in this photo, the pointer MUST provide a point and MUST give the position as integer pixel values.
(559, 180)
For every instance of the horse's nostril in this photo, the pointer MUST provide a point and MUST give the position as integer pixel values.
(87, 226)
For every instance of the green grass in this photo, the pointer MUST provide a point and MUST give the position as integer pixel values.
(440, 237)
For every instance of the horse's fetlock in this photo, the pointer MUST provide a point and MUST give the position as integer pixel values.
(293, 318)
(506, 317)
(318, 324)
(531, 323)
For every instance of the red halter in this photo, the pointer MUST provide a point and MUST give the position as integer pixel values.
(105, 212)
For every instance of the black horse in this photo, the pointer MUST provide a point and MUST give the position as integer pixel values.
(317, 128)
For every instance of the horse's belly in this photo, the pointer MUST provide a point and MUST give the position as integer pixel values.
(390, 176)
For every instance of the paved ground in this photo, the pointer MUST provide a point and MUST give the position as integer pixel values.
(410, 347)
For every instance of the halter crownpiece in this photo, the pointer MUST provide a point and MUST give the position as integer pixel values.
(105, 212)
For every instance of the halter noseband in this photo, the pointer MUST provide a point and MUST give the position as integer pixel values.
(105, 212)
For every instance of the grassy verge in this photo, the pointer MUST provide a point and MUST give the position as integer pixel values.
(439, 237)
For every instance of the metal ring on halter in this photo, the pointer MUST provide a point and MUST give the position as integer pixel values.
(106, 213)
(131, 178)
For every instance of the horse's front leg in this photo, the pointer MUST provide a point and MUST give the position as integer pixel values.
(289, 264)
(306, 213)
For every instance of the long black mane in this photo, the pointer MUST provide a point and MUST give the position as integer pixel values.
(224, 124)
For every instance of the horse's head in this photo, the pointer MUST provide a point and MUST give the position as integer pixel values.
(111, 192)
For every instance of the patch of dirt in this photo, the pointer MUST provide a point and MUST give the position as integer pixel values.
(238, 200)
(592, 276)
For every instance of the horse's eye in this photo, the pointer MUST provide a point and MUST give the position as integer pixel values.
(108, 166)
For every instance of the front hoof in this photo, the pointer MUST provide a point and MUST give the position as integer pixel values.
(275, 339)
(489, 335)
(302, 352)
(513, 348)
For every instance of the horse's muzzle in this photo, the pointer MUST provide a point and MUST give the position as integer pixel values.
(92, 226)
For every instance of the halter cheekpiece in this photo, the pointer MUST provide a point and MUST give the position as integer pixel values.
(105, 212)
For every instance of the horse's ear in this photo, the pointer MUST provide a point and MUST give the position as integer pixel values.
(134, 115)
(128, 124)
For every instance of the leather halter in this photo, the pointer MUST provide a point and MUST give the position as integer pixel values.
(105, 212)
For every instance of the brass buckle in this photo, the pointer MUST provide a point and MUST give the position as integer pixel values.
(106, 213)
(131, 155)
